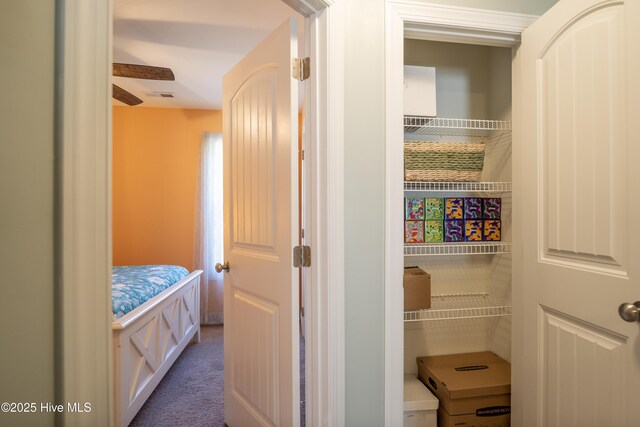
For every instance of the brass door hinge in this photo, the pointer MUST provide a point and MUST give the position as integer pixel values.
(302, 256)
(301, 68)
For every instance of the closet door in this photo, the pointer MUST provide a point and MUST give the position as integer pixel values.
(261, 347)
(577, 362)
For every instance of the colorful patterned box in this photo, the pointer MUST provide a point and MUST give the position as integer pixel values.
(472, 207)
(414, 231)
(492, 229)
(473, 230)
(453, 230)
(453, 208)
(435, 208)
(491, 207)
(433, 231)
(414, 208)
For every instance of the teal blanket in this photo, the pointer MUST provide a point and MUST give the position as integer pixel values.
(131, 286)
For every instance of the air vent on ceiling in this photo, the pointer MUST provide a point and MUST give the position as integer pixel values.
(161, 94)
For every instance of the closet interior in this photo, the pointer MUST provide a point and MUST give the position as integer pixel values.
(470, 280)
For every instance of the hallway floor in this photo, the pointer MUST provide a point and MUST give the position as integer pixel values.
(191, 394)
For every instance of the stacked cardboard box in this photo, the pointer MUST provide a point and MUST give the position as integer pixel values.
(474, 389)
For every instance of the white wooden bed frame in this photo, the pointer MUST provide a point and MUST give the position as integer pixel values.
(148, 339)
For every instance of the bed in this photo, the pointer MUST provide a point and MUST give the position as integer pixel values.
(156, 314)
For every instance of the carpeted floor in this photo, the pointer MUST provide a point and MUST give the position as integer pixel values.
(191, 393)
(303, 403)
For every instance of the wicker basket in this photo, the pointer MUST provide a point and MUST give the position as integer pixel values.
(443, 161)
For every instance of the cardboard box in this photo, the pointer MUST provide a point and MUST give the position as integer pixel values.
(433, 231)
(474, 389)
(446, 420)
(417, 289)
(419, 91)
(454, 208)
(491, 207)
(472, 230)
(420, 405)
(454, 230)
(435, 208)
(491, 229)
(472, 207)
(414, 208)
(414, 231)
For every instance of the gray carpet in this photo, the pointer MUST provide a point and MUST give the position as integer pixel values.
(191, 393)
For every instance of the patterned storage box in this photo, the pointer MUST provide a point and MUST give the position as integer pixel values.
(414, 231)
(472, 207)
(414, 208)
(443, 161)
(435, 208)
(473, 230)
(433, 231)
(491, 229)
(491, 207)
(453, 208)
(454, 230)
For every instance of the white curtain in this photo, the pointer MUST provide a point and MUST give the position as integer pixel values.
(209, 229)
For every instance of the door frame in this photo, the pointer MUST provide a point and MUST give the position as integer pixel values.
(83, 209)
(426, 22)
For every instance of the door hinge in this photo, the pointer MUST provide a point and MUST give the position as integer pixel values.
(302, 256)
(301, 68)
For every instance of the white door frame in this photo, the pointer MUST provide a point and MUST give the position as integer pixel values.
(428, 22)
(83, 210)
(324, 216)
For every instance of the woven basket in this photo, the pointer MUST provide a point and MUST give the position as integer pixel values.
(443, 161)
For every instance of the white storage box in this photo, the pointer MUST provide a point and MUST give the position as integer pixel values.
(419, 91)
(420, 405)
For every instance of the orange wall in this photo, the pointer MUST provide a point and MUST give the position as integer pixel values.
(156, 162)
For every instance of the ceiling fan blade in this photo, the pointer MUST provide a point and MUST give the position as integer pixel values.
(142, 72)
(124, 96)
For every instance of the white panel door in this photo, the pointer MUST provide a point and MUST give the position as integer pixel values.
(577, 363)
(261, 365)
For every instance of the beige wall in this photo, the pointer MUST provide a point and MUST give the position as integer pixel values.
(462, 76)
(472, 81)
(26, 207)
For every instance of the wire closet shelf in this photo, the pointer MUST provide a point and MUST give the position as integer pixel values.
(485, 187)
(451, 307)
(480, 248)
(441, 126)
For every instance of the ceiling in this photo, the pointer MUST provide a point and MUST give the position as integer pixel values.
(200, 40)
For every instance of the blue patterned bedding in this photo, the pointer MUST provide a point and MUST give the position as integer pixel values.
(131, 286)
